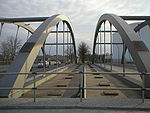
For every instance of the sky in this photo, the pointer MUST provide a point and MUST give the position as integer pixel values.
(83, 14)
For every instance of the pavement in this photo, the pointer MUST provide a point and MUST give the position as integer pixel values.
(91, 81)
(57, 80)
(134, 78)
(73, 105)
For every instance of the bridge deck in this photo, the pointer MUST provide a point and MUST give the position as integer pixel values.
(95, 101)
(92, 80)
(102, 81)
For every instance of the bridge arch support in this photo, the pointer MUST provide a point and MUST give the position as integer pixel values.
(130, 38)
(28, 53)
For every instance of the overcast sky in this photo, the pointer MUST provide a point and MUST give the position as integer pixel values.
(83, 14)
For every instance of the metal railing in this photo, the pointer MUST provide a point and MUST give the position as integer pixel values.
(81, 88)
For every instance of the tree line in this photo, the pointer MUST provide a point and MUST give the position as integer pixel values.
(11, 46)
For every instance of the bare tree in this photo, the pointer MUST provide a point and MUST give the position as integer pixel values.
(83, 51)
(10, 47)
(69, 53)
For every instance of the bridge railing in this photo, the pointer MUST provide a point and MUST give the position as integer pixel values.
(81, 87)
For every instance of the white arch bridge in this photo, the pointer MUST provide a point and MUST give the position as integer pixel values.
(131, 41)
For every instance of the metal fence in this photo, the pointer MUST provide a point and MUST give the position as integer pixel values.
(82, 87)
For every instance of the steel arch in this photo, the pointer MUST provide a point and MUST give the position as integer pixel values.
(141, 25)
(136, 29)
(28, 53)
(23, 25)
(135, 45)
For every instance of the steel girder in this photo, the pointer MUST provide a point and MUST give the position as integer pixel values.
(135, 45)
(28, 53)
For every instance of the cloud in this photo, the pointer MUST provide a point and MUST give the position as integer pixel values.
(84, 14)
